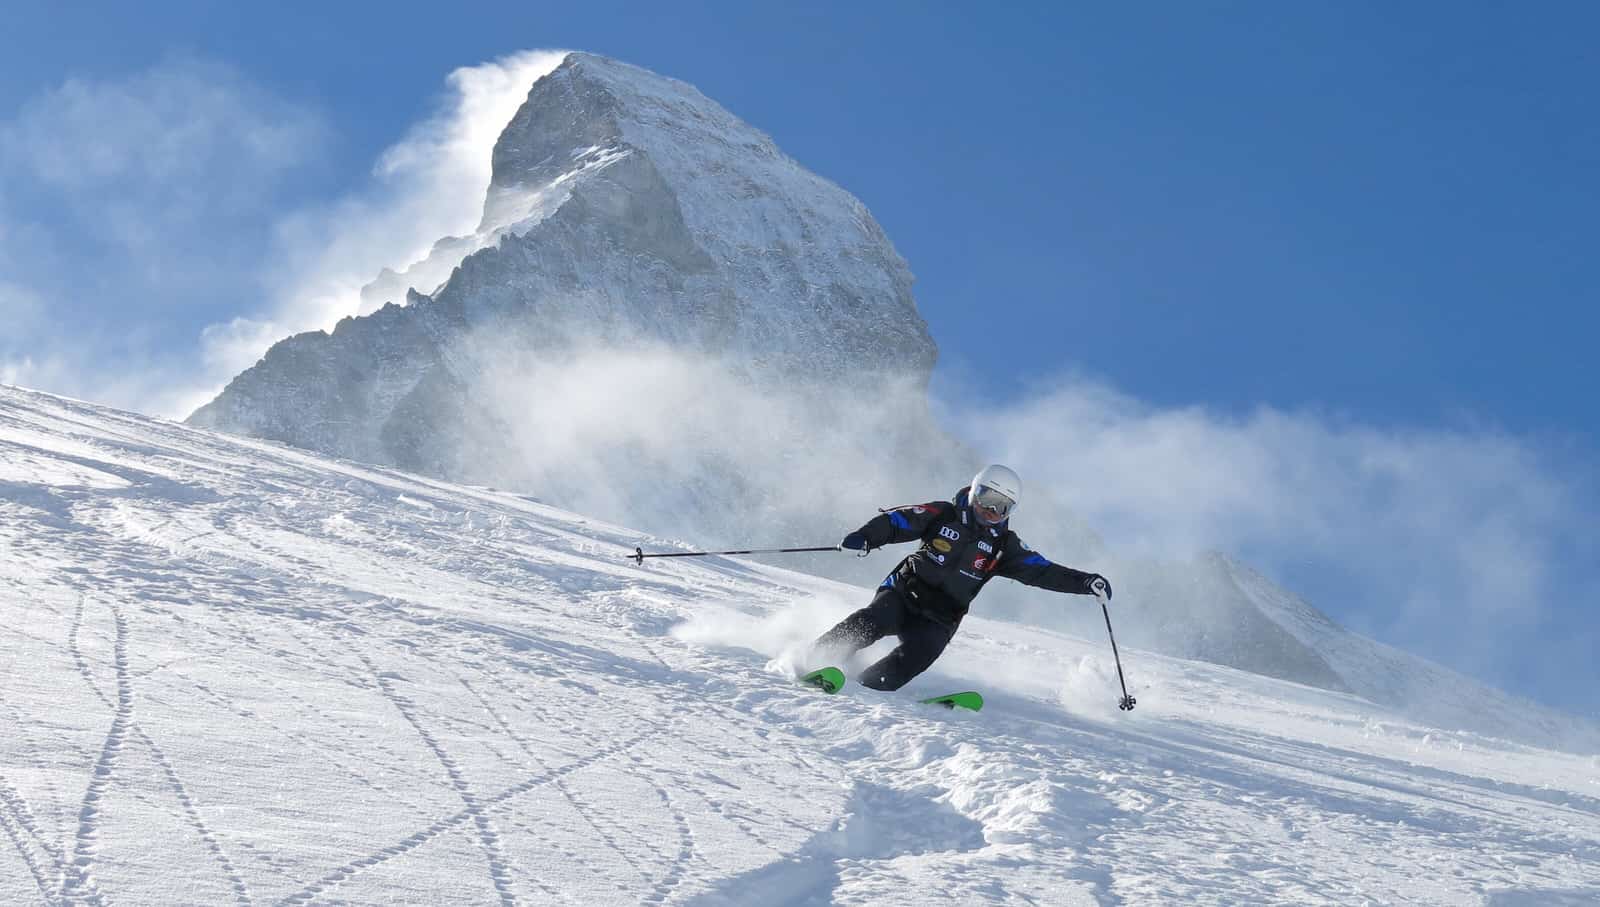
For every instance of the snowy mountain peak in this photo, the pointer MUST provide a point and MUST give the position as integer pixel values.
(625, 210)
(595, 107)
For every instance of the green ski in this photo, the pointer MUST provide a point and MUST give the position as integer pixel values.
(967, 700)
(828, 680)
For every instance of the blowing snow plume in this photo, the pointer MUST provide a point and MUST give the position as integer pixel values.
(683, 445)
(337, 260)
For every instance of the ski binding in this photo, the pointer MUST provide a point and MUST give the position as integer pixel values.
(828, 680)
(966, 700)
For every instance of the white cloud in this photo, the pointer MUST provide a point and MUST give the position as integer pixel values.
(15, 371)
(232, 347)
(132, 205)
(168, 147)
(20, 308)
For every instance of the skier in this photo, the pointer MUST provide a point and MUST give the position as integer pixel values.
(965, 542)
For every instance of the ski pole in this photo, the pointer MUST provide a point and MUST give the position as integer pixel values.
(638, 554)
(1126, 703)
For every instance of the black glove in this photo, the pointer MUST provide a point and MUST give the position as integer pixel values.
(1098, 586)
(856, 541)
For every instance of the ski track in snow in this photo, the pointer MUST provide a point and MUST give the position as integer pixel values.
(233, 672)
(488, 837)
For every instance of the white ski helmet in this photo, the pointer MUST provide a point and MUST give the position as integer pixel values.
(994, 494)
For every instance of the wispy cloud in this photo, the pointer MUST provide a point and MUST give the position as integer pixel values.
(165, 138)
(132, 208)
(1449, 540)
(144, 170)
(20, 307)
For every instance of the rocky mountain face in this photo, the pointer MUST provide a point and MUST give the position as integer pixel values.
(625, 209)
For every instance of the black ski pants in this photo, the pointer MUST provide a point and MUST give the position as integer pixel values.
(921, 639)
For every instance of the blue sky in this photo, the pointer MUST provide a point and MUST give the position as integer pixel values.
(1335, 233)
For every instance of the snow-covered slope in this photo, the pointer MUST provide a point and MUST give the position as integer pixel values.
(1422, 690)
(233, 672)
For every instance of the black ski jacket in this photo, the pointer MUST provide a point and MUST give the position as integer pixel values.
(958, 555)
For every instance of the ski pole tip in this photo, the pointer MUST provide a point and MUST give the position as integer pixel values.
(637, 556)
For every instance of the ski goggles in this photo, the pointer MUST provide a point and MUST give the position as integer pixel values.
(992, 502)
